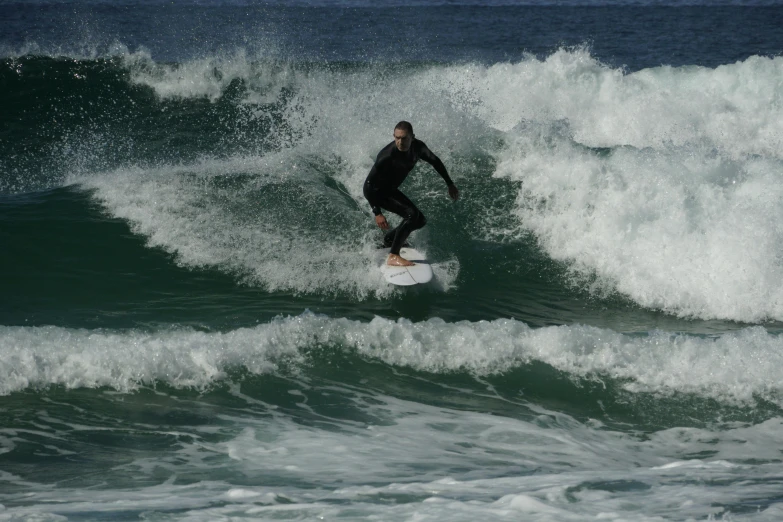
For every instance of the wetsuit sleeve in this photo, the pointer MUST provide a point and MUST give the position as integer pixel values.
(427, 155)
(371, 190)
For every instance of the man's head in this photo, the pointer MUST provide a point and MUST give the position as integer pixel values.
(403, 136)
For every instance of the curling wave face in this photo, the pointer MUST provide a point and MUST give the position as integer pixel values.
(658, 185)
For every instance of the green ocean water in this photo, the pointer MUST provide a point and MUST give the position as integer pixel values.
(193, 325)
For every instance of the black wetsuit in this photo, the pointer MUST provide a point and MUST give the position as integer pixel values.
(391, 168)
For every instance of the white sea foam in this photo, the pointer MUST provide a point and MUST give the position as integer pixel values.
(682, 212)
(735, 108)
(734, 367)
(208, 77)
(690, 234)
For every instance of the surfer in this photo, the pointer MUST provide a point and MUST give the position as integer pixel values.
(392, 165)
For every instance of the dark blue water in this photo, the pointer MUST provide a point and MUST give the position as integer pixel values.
(632, 37)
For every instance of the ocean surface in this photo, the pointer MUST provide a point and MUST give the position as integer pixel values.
(193, 325)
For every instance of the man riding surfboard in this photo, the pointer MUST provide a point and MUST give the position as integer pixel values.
(381, 188)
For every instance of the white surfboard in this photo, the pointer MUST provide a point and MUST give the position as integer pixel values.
(417, 274)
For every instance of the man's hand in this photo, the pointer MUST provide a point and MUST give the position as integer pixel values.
(453, 192)
(381, 222)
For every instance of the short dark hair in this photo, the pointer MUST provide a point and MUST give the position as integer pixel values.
(406, 126)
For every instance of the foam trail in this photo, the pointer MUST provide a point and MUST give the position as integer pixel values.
(256, 228)
(734, 367)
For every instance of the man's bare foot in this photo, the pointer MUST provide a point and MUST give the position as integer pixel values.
(395, 260)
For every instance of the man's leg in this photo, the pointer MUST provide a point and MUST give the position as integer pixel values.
(412, 219)
(388, 238)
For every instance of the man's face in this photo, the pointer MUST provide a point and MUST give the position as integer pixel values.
(402, 140)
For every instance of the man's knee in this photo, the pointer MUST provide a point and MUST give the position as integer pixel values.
(414, 218)
(418, 220)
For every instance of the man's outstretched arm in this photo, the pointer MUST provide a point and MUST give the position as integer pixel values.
(430, 157)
